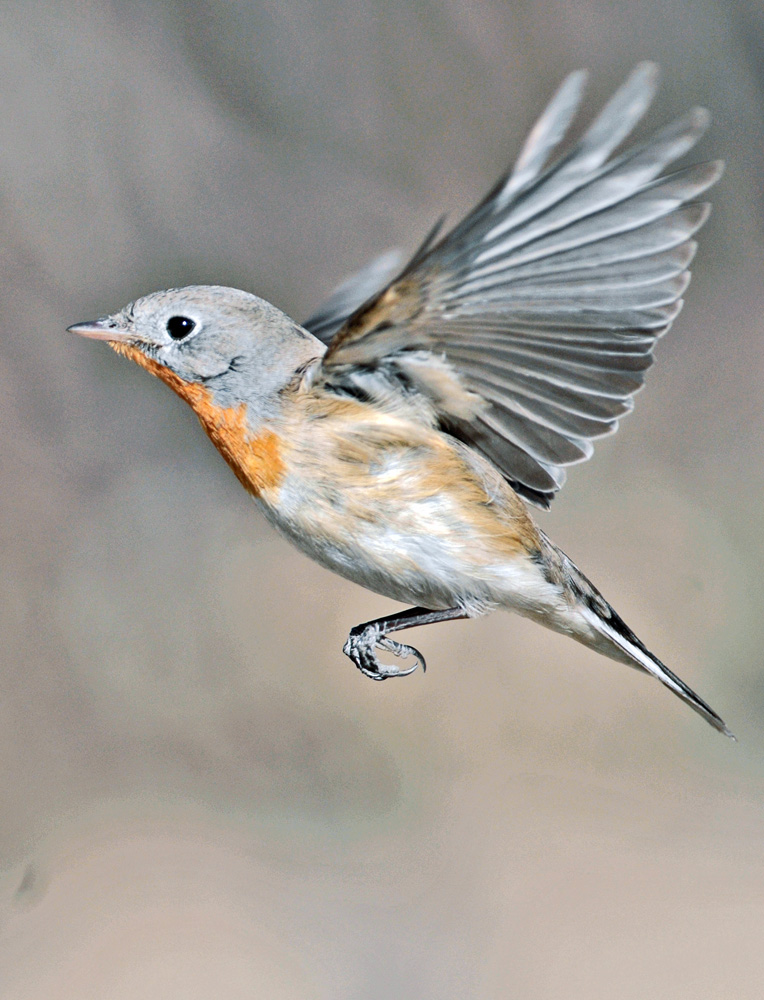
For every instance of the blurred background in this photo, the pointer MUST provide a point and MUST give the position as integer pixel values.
(199, 795)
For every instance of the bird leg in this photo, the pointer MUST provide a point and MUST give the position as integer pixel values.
(365, 638)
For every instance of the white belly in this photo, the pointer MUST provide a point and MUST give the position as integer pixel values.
(422, 552)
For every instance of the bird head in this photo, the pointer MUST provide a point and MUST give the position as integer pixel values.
(233, 346)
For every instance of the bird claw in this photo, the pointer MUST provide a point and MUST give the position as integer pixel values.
(360, 647)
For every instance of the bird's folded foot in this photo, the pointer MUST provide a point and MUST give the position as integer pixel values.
(362, 643)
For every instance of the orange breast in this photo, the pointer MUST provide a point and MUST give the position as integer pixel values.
(255, 459)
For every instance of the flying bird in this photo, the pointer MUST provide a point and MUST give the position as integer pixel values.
(398, 435)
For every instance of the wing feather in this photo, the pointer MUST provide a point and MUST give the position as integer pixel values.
(352, 293)
(547, 299)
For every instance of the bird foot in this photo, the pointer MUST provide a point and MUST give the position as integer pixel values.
(361, 645)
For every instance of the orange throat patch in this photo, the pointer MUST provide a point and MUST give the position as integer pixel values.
(256, 460)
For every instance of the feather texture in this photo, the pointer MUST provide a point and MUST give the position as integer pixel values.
(352, 293)
(548, 298)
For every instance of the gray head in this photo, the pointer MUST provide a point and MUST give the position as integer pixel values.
(240, 347)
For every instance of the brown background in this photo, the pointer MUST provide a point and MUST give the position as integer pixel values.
(199, 795)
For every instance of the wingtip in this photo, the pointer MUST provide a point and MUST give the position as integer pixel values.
(717, 168)
(647, 66)
(700, 117)
(643, 79)
(576, 80)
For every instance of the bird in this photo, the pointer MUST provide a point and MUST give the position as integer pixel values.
(400, 435)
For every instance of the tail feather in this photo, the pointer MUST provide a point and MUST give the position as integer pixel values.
(609, 624)
(589, 618)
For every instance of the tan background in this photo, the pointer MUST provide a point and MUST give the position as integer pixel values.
(199, 795)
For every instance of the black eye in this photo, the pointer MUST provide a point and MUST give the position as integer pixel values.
(179, 327)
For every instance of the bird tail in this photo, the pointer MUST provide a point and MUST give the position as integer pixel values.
(608, 623)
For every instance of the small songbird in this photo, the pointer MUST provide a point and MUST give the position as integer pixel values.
(395, 435)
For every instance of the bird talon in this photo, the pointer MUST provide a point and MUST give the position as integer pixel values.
(403, 650)
(360, 648)
(396, 648)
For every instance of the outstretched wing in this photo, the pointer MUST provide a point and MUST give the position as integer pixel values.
(352, 293)
(530, 326)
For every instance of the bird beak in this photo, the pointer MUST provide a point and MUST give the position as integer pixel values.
(100, 329)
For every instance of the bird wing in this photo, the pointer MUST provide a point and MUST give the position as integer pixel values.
(352, 293)
(530, 325)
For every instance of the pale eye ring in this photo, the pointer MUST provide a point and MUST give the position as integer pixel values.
(179, 327)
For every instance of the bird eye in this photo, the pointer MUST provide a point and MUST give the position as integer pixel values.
(180, 326)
